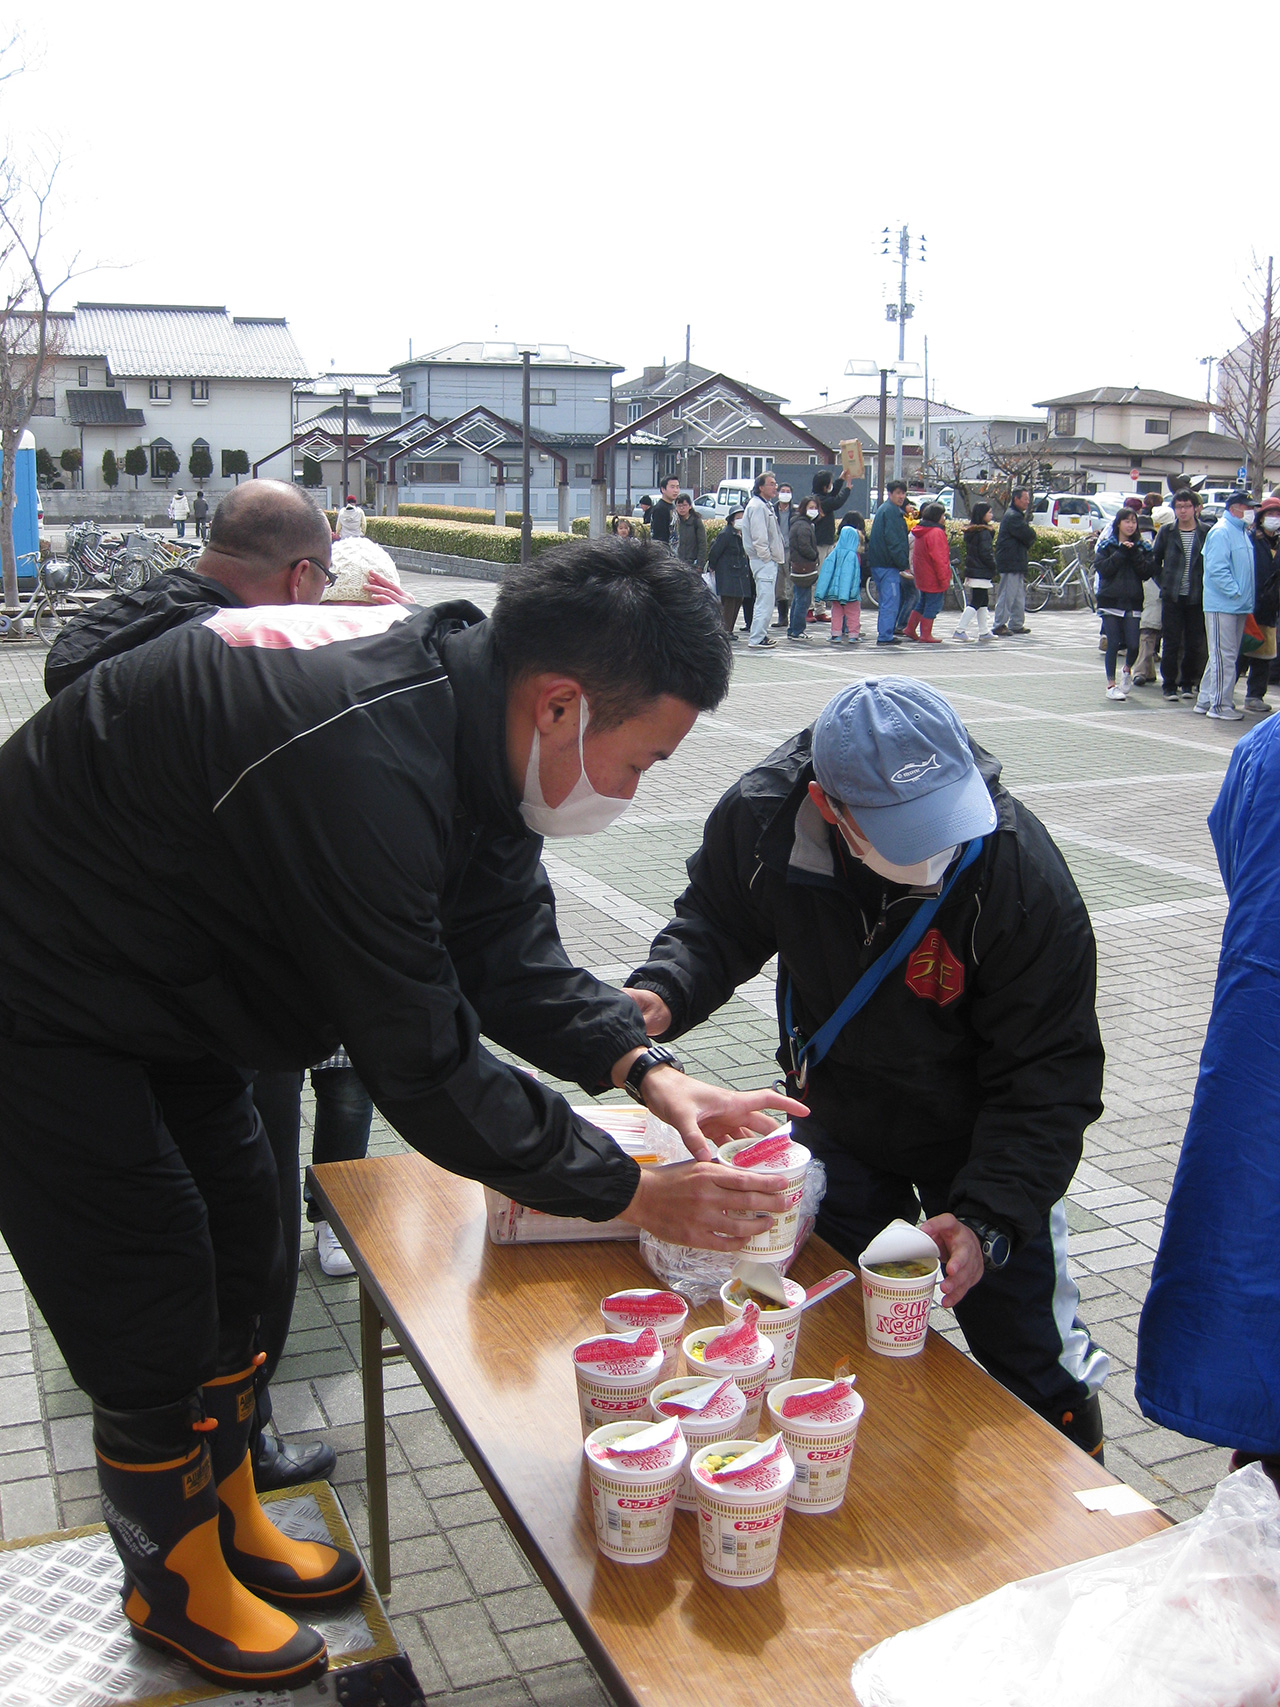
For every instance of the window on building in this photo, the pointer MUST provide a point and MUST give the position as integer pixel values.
(1155, 426)
(542, 396)
(45, 406)
(158, 445)
(1064, 423)
(908, 432)
(111, 380)
(1021, 435)
(946, 435)
(161, 391)
(747, 467)
(634, 411)
(406, 396)
(582, 471)
(1035, 434)
(199, 390)
(84, 376)
(432, 473)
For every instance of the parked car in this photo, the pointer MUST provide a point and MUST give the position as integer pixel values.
(731, 495)
(1068, 510)
(705, 505)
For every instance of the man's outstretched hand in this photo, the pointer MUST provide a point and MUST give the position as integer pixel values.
(707, 1115)
(962, 1265)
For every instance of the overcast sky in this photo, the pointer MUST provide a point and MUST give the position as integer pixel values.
(601, 176)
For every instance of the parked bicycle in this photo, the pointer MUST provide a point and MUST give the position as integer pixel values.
(1045, 582)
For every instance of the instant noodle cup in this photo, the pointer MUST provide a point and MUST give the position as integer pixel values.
(780, 1161)
(897, 1303)
(706, 1410)
(739, 1351)
(616, 1374)
(818, 1420)
(742, 1488)
(645, 1307)
(635, 1470)
(779, 1324)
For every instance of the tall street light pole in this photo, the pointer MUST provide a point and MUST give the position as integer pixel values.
(346, 399)
(526, 520)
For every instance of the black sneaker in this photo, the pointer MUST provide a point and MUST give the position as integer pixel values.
(1082, 1424)
(1002, 631)
(1170, 698)
(1019, 631)
(896, 641)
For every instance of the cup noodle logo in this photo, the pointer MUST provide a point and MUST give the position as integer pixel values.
(904, 1320)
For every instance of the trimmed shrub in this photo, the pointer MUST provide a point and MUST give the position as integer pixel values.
(452, 513)
(110, 470)
(454, 539)
(135, 463)
(200, 462)
(312, 473)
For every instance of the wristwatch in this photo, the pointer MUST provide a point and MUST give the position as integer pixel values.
(995, 1242)
(654, 1056)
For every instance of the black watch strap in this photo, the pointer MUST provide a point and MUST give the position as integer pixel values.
(997, 1247)
(655, 1056)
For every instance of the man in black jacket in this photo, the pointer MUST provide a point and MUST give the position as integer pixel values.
(265, 831)
(966, 1080)
(1179, 563)
(662, 517)
(1013, 546)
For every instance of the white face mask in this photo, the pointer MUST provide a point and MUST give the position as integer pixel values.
(582, 812)
(812, 515)
(1249, 516)
(1271, 523)
(924, 874)
(736, 524)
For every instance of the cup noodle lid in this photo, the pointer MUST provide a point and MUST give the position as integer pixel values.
(699, 1403)
(637, 1450)
(809, 1406)
(764, 1467)
(645, 1307)
(795, 1294)
(898, 1242)
(775, 1152)
(739, 1348)
(620, 1359)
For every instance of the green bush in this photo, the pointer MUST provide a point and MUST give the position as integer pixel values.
(110, 470)
(46, 468)
(452, 513)
(312, 473)
(1046, 546)
(135, 463)
(200, 463)
(455, 539)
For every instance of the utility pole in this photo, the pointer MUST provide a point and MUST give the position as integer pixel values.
(901, 311)
(687, 331)
(884, 409)
(1264, 398)
(926, 400)
(1207, 363)
(346, 399)
(526, 520)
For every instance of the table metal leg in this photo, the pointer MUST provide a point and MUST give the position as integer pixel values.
(375, 1442)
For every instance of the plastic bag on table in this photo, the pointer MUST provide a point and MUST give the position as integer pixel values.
(699, 1275)
(1186, 1618)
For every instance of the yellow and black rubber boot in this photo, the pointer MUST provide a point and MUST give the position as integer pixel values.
(179, 1596)
(301, 1574)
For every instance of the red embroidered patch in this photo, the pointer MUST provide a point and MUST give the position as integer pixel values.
(933, 972)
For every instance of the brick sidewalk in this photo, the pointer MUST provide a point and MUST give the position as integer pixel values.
(1125, 790)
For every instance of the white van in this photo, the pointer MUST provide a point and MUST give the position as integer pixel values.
(1067, 510)
(733, 495)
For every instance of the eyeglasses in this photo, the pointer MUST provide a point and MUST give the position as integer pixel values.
(330, 575)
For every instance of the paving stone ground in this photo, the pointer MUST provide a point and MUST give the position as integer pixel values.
(1125, 789)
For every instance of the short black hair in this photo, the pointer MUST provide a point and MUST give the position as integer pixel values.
(822, 480)
(646, 503)
(896, 486)
(979, 513)
(685, 498)
(851, 519)
(624, 618)
(666, 481)
(1019, 492)
(1190, 496)
(932, 513)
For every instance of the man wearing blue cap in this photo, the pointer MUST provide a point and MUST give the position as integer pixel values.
(936, 987)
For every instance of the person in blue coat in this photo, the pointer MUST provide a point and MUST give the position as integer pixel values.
(888, 556)
(1228, 600)
(840, 582)
(1209, 1337)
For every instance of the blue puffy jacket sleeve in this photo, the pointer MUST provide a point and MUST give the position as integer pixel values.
(1209, 1338)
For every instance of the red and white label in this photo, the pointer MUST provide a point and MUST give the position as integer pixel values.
(639, 1307)
(619, 1354)
(303, 628)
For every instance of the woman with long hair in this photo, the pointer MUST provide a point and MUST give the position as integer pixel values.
(979, 574)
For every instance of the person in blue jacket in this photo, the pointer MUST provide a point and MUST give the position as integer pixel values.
(840, 582)
(1228, 600)
(1209, 1336)
(888, 556)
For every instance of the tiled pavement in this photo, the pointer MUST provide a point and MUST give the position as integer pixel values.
(1125, 790)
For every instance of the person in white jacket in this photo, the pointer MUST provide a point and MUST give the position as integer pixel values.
(766, 554)
(351, 521)
(179, 510)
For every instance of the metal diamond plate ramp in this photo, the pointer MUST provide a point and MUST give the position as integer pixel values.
(64, 1641)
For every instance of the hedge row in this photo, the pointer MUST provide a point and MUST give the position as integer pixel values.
(449, 513)
(580, 525)
(455, 539)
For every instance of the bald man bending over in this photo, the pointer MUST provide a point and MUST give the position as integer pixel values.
(268, 545)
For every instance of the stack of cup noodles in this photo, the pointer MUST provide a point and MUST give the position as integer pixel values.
(741, 1506)
(818, 1421)
(706, 1410)
(779, 1323)
(645, 1307)
(897, 1305)
(739, 1352)
(615, 1374)
(635, 1470)
(784, 1161)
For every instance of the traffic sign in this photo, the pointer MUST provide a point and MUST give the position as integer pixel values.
(1135, 473)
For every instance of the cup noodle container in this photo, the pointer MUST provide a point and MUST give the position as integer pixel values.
(633, 1491)
(645, 1307)
(740, 1519)
(749, 1366)
(897, 1311)
(821, 1447)
(721, 1416)
(780, 1327)
(786, 1164)
(615, 1375)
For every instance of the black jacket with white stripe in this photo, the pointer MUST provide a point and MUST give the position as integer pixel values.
(276, 827)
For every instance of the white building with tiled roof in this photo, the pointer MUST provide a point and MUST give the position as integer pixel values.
(168, 377)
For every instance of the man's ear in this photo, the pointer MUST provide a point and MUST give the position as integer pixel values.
(554, 704)
(820, 800)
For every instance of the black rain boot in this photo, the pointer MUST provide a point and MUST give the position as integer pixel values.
(303, 1574)
(161, 1507)
(1081, 1424)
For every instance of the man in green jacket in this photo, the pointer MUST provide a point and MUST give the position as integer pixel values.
(888, 556)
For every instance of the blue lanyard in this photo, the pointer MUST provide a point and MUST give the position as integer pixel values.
(805, 1056)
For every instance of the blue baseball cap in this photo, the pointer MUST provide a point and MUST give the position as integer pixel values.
(893, 751)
